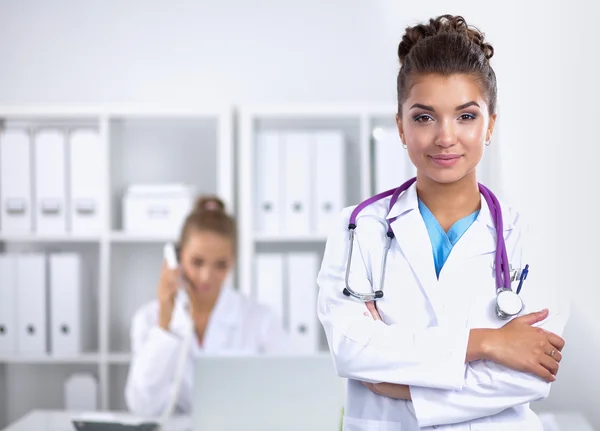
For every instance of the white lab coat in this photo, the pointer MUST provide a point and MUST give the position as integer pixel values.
(236, 326)
(423, 338)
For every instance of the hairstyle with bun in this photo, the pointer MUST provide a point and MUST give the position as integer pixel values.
(209, 215)
(445, 46)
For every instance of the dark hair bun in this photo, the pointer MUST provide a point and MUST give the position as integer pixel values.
(209, 204)
(448, 24)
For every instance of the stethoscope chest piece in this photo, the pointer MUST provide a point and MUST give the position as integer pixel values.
(508, 304)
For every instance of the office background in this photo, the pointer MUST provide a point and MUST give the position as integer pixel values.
(323, 54)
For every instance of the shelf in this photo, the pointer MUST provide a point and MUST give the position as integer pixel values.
(119, 358)
(146, 143)
(296, 111)
(162, 110)
(49, 238)
(279, 239)
(125, 237)
(84, 358)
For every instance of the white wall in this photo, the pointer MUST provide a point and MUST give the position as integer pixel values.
(345, 51)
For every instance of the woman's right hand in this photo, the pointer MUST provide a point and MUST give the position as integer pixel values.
(522, 347)
(167, 290)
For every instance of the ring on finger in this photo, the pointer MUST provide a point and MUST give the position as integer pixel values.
(553, 352)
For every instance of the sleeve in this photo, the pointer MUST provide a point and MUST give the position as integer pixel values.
(371, 351)
(153, 367)
(490, 388)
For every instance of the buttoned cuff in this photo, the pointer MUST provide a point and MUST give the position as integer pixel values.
(445, 351)
(426, 410)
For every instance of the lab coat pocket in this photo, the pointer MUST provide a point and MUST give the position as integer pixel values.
(356, 424)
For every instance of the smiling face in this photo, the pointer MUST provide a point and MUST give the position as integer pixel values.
(445, 123)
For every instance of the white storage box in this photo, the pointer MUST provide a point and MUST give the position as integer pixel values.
(157, 208)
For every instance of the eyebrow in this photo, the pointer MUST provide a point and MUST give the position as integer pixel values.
(458, 108)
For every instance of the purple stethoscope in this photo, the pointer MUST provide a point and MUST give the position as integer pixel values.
(508, 302)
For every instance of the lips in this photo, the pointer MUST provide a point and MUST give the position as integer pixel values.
(445, 156)
(445, 160)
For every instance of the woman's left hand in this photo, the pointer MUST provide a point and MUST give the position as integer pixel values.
(390, 390)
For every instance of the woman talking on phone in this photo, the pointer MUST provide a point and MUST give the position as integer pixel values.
(222, 320)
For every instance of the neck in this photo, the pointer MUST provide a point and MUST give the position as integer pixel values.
(449, 202)
(207, 300)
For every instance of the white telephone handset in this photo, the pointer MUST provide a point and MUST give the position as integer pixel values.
(170, 255)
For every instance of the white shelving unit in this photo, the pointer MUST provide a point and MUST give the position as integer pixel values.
(193, 145)
(141, 144)
(356, 122)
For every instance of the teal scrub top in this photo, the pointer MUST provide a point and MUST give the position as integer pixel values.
(442, 242)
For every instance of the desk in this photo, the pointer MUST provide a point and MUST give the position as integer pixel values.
(60, 420)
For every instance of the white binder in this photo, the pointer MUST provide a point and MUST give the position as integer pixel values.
(269, 282)
(32, 337)
(298, 158)
(15, 182)
(8, 304)
(70, 309)
(330, 178)
(86, 172)
(50, 182)
(392, 164)
(302, 270)
(269, 200)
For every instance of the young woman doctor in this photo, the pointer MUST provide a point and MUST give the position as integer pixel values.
(432, 353)
(222, 320)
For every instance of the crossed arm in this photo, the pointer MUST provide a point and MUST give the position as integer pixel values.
(496, 370)
(527, 361)
(451, 374)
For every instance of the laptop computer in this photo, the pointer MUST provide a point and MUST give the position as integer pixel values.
(247, 393)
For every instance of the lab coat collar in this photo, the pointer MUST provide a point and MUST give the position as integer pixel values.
(226, 311)
(408, 201)
(228, 307)
(413, 240)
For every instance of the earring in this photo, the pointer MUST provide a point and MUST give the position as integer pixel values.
(402, 139)
(487, 144)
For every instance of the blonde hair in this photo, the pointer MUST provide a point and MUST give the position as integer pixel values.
(209, 215)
